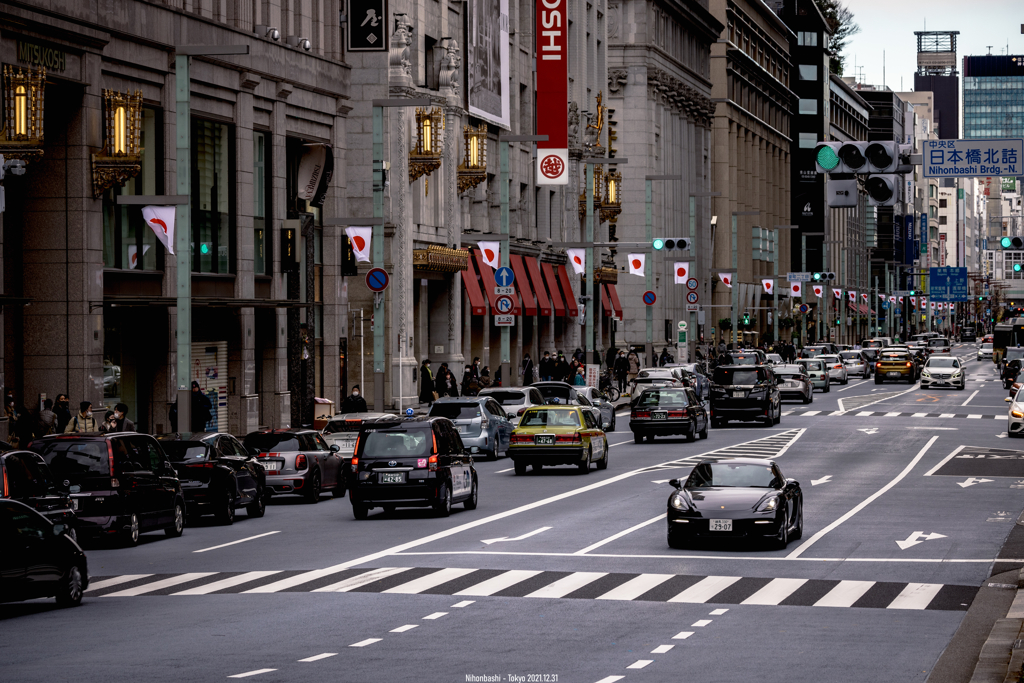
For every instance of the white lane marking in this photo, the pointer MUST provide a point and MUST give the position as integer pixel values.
(947, 415)
(566, 585)
(730, 558)
(430, 581)
(915, 596)
(504, 471)
(124, 578)
(866, 413)
(354, 582)
(896, 414)
(257, 672)
(774, 592)
(810, 413)
(682, 635)
(368, 641)
(541, 530)
(403, 629)
(936, 429)
(701, 623)
(640, 663)
(919, 415)
(970, 397)
(619, 535)
(499, 582)
(322, 655)
(705, 589)
(867, 501)
(611, 679)
(974, 417)
(464, 603)
(226, 583)
(853, 386)
(971, 481)
(293, 581)
(158, 585)
(917, 538)
(718, 612)
(824, 480)
(887, 397)
(635, 587)
(661, 649)
(241, 540)
(435, 615)
(845, 594)
(944, 461)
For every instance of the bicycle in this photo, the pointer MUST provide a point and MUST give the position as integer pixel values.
(607, 385)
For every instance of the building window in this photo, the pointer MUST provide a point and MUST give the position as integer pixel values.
(808, 140)
(931, 192)
(261, 193)
(942, 220)
(213, 197)
(942, 203)
(932, 212)
(807, 38)
(808, 107)
(808, 72)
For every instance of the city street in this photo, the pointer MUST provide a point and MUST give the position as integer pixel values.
(568, 577)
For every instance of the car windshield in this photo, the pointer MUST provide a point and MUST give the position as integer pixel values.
(829, 360)
(338, 426)
(272, 443)
(850, 355)
(986, 347)
(735, 376)
(179, 451)
(652, 398)
(655, 373)
(938, 342)
(790, 375)
(871, 344)
(743, 359)
(812, 364)
(940, 362)
(555, 391)
(811, 352)
(891, 356)
(455, 411)
(546, 417)
(1017, 352)
(731, 474)
(396, 443)
(74, 458)
(506, 398)
(871, 354)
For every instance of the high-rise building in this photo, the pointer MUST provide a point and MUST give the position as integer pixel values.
(936, 73)
(993, 96)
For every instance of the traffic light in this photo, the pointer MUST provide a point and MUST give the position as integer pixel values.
(828, 276)
(1011, 243)
(883, 157)
(853, 156)
(826, 157)
(1016, 267)
(746, 318)
(816, 277)
(882, 190)
(671, 243)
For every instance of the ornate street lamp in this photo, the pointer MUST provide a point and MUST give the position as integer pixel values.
(598, 187)
(612, 204)
(122, 151)
(426, 158)
(473, 169)
(22, 136)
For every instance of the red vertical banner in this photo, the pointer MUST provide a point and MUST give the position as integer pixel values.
(553, 92)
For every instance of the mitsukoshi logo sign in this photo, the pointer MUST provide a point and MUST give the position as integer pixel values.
(552, 92)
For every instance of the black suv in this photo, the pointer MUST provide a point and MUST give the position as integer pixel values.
(24, 477)
(666, 411)
(123, 483)
(745, 392)
(417, 462)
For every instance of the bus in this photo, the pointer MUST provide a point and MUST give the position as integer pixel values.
(1007, 334)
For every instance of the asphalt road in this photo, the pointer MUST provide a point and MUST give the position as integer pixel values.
(567, 577)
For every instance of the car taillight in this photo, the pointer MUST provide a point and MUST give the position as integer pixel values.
(568, 438)
(263, 455)
(519, 413)
(110, 457)
(878, 365)
(677, 413)
(355, 449)
(433, 437)
(641, 414)
(300, 461)
(432, 463)
(910, 365)
(837, 367)
(5, 483)
(522, 438)
(355, 464)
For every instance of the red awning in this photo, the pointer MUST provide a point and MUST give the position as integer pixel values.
(552, 282)
(864, 310)
(616, 306)
(487, 276)
(472, 284)
(570, 300)
(523, 284)
(605, 304)
(543, 302)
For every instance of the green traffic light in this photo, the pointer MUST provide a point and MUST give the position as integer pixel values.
(204, 248)
(827, 158)
(1005, 243)
(817, 276)
(659, 243)
(1016, 267)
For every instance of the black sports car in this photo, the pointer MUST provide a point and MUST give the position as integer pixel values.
(735, 498)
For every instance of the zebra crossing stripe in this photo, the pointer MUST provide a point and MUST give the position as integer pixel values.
(229, 582)
(705, 589)
(873, 413)
(915, 596)
(115, 581)
(566, 585)
(775, 592)
(158, 585)
(845, 594)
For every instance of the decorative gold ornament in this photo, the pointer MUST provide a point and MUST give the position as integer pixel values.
(23, 113)
(426, 157)
(611, 207)
(598, 185)
(473, 169)
(122, 151)
(440, 259)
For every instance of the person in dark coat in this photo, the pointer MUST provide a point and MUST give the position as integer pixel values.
(621, 369)
(527, 370)
(202, 409)
(441, 380)
(560, 373)
(426, 383)
(451, 383)
(469, 383)
(118, 420)
(546, 367)
(354, 402)
(62, 408)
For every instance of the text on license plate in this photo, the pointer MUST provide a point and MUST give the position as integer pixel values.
(544, 440)
(737, 394)
(893, 374)
(719, 525)
(463, 429)
(392, 477)
(271, 466)
(659, 416)
(347, 444)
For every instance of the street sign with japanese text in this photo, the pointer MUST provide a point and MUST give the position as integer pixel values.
(948, 284)
(798, 277)
(367, 25)
(970, 158)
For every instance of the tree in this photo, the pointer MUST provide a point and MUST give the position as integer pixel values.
(842, 26)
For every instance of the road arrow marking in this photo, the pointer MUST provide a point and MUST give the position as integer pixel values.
(660, 481)
(971, 481)
(869, 430)
(824, 480)
(541, 530)
(1001, 435)
(917, 537)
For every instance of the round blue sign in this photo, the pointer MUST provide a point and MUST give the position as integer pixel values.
(650, 297)
(409, 412)
(377, 279)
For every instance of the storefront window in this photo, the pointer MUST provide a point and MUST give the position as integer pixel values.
(213, 214)
(261, 257)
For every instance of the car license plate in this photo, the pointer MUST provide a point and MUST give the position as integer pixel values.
(463, 428)
(738, 394)
(543, 439)
(271, 466)
(892, 374)
(659, 416)
(719, 525)
(392, 477)
(347, 444)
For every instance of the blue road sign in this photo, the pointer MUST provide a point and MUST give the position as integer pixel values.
(504, 276)
(504, 304)
(969, 158)
(947, 284)
(377, 279)
(650, 297)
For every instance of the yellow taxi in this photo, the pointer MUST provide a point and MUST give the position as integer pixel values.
(895, 365)
(558, 435)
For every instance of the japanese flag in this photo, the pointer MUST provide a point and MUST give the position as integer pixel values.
(924, 305)
(769, 285)
(490, 251)
(913, 301)
(578, 259)
(726, 278)
(796, 289)
(360, 239)
(838, 293)
(636, 263)
(161, 220)
(133, 254)
(864, 297)
(933, 306)
(901, 299)
(682, 272)
(881, 297)
(892, 299)
(819, 290)
(853, 297)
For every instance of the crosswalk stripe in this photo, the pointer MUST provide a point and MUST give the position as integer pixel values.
(499, 583)
(705, 589)
(566, 585)
(635, 587)
(809, 413)
(896, 414)
(845, 594)
(158, 585)
(430, 581)
(361, 580)
(919, 415)
(775, 592)
(974, 417)
(915, 596)
(116, 581)
(947, 415)
(229, 582)
(293, 581)
(865, 413)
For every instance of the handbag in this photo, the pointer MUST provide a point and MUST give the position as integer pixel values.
(435, 394)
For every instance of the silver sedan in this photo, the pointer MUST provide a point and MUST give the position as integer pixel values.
(855, 363)
(836, 368)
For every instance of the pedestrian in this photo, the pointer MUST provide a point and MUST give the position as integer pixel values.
(475, 368)
(485, 377)
(634, 366)
(721, 348)
(621, 369)
(547, 365)
(63, 411)
(427, 394)
(452, 383)
(574, 365)
(47, 418)
(470, 386)
(578, 356)
(560, 372)
(354, 402)
(609, 358)
(579, 380)
(117, 420)
(201, 409)
(666, 358)
(9, 410)
(441, 380)
(25, 429)
(83, 421)
(527, 370)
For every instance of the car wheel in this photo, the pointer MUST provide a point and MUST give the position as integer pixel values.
(809, 398)
(178, 524)
(782, 540)
(130, 535)
(258, 507)
(799, 533)
(226, 514)
(704, 432)
(691, 435)
(613, 422)
(443, 506)
(878, 380)
(313, 494)
(846, 380)
(961, 387)
(470, 503)
(360, 511)
(69, 592)
(650, 438)
(828, 387)
(778, 415)
(602, 464)
(675, 541)
(638, 437)
(584, 466)
(340, 490)
(520, 468)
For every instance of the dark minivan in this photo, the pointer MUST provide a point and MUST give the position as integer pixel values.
(24, 477)
(744, 392)
(666, 411)
(40, 559)
(123, 483)
(417, 462)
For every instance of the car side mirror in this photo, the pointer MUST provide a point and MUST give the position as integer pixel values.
(59, 529)
(1007, 400)
(510, 416)
(792, 482)
(335, 448)
(674, 483)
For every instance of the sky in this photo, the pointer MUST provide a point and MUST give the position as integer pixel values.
(889, 25)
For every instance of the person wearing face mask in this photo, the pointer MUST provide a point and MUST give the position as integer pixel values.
(118, 420)
(84, 421)
(354, 402)
(62, 409)
(547, 367)
(427, 394)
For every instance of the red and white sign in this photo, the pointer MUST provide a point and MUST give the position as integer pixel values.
(819, 290)
(892, 299)
(682, 270)
(864, 297)
(726, 278)
(161, 220)
(490, 252)
(913, 301)
(768, 284)
(552, 91)
(796, 289)
(577, 259)
(837, 293)
(360, 239)
(853, 297)
(882, 297)
(636, 263)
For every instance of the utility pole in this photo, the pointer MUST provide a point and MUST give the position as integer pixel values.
(735, 265)
(649, 263)
(692, 339)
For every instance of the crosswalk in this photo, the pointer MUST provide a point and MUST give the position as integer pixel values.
(883, 413)
(518, 583)
(771, 446)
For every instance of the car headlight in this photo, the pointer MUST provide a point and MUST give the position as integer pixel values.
(1016, 413)
(925, 373)
(768, 505)
(957, 373)
(678, 502)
